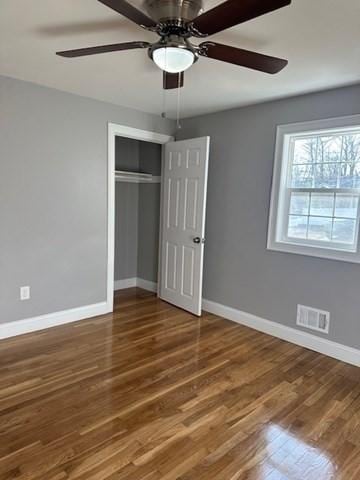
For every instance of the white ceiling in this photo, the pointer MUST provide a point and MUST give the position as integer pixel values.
(320, 38)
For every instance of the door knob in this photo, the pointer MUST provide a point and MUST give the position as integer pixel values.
(198, 240)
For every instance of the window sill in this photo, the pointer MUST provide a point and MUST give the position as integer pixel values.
(325, 253)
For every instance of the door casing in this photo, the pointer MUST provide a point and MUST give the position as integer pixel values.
(116, 130)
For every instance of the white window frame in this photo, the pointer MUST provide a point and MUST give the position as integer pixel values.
(279, 189)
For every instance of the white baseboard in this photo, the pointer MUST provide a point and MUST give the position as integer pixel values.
(146, 285)
(135, 282)
(42, 322)
(292, 335)
(126, 283)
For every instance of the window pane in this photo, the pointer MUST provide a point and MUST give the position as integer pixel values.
(346, 205)
(326, 175)
(302, 176)
(322, 204)
(299, 203)
(329, 149)
(297, 226)
(344, 231)
(351, 148)
(349, 175)
(318, 149)
(305, 150)
(320, 228)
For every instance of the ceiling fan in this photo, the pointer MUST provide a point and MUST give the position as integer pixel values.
(175, 21)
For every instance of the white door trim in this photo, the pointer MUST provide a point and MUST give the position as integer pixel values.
(117, 130)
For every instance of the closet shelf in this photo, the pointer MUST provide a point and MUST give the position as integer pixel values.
(135, 177)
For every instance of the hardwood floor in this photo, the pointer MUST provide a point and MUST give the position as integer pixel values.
(152, 392)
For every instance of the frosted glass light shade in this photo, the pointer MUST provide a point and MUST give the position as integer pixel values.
(173, 59)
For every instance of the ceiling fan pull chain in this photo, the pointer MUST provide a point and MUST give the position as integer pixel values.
(163, 114)
(178, 124)
(164, 92)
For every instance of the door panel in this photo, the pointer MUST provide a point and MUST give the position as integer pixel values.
(171, 260)
(173, 202)
(188, 261)
(183, 225)
(191, 194)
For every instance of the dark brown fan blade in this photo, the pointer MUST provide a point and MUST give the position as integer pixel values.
(244, 58)
(231, 13)
(130, 12)
(173, 80)
(81, 52)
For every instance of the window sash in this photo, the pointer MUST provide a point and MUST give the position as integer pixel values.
(328, 244)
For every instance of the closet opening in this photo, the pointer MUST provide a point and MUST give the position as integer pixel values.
(137, 213)
(134, 204)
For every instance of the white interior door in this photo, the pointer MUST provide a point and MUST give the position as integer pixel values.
(185, 172)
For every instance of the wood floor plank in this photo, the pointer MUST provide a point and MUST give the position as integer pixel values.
(151, 392)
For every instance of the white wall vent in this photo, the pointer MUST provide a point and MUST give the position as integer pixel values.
(313, 318)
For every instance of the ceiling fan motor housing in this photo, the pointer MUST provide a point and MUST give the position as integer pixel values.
(180, 11)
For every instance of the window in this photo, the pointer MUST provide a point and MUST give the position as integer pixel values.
(315, 202)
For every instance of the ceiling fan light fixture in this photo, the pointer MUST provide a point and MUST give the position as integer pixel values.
(173, 59)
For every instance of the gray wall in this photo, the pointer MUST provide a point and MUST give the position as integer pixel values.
(239, 271)
(126, 211)
(137, 212)
(53, 196)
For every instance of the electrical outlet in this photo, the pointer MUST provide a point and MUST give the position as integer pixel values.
(24, 293)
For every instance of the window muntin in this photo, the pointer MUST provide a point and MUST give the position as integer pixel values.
(318, 198)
